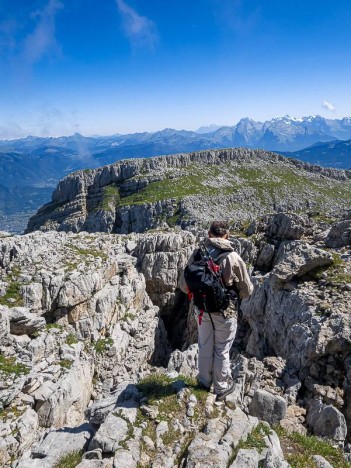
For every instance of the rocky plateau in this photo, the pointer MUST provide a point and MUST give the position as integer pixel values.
(98, 350)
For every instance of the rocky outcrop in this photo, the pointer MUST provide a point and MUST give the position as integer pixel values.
(83, 323)
(141, 194)
(85, 363)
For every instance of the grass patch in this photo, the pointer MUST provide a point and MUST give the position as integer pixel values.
(71, 266)
(11, 410)
(110, 198)
(85, 252)
(155, 387)
(56, 326)
(65, 363)
(71, 460)
(159, 389)
(71, 339)
(267, 183)
(299, 450)
(335, 272)
(102, 345)
(12, 297)
(9, 366)
(255, 440)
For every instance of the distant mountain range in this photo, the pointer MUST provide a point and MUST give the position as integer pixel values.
(331, 154)
(35, 162)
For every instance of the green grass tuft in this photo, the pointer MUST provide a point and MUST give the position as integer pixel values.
(102, 345)
(9, 366)
(65, 363)
(71, 460)
(71, 339)
(110, 198)
(12, 297)
(299, 450)
(55, 326)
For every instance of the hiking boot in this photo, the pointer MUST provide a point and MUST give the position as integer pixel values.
(227, 391)
(202, 386)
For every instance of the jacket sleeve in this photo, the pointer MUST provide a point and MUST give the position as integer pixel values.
(235, 272)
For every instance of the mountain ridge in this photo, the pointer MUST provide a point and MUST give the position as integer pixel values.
(136, 195)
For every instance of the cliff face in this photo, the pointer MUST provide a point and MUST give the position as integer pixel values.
(143, 194)
(88, 323)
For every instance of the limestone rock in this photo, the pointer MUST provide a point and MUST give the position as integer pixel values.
(247, 458)
(268, 407)
(339, 234)
(113, 431)
(326, 421)
(185, 362)
(283, 226)
(296, 259)
(321, 462)
(61, 442)
(23, 322)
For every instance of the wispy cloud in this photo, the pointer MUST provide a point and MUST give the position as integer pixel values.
(328, 105)
(140, 30)
(42, 40)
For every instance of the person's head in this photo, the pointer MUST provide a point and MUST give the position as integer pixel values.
(219, 229)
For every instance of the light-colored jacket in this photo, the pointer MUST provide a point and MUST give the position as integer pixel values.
(233, 267)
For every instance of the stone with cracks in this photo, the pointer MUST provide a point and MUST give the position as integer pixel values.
(110, 434)
(268, 407)
(326, 421)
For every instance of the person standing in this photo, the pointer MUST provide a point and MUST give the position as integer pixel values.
(216, 331)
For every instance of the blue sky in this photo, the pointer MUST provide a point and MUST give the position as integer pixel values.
(120, 66)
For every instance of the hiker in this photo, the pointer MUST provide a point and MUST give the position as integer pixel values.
(216, 330)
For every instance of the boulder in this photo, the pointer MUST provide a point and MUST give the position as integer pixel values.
(282, 226)
(23, 322)
(247, 458)
(326, 421)
(185, 362)
(295, 259)
(339, 234)
(63, 441)
(268, 407)
(113, 431)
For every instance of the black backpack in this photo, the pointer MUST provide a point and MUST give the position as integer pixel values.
(204, 280)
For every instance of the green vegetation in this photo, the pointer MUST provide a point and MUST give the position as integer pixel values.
(335, 272)
(110, 198)
(71, 266)
(56, 326)
(12, 297)
(65, 363)
(102, 345)
(127, 316)
(268, 183)
(160, 391)
(255, 440)
(299, 450)
(130, 432)
(71, 339)
(71, 460)
(11, 410)
(9, 366)
(85, 252)
(322, 218)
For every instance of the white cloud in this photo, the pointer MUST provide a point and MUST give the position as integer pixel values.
(140, 30)
(328, 105)
(43, 38)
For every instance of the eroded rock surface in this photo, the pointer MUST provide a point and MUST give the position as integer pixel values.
(83, 322)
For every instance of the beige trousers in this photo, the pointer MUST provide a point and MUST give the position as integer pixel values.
(214, 348)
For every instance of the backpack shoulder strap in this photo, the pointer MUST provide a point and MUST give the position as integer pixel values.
(220, 257)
